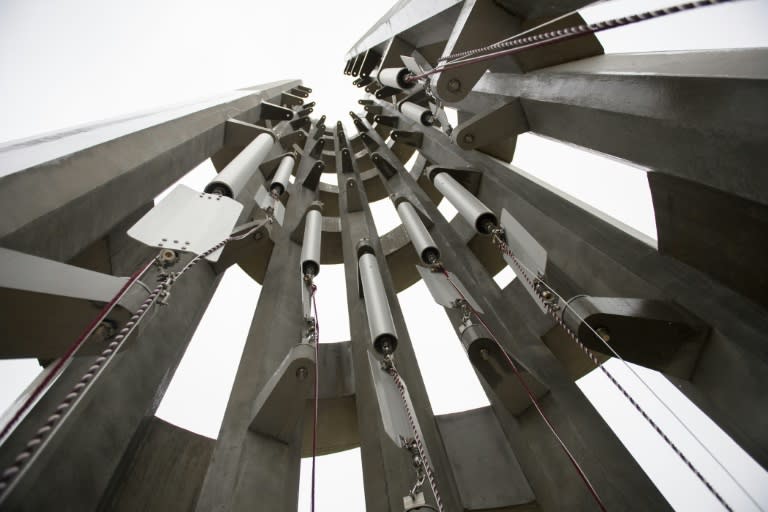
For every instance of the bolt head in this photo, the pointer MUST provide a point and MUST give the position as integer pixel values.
(469, 138)
(454, 85)
(301, 373)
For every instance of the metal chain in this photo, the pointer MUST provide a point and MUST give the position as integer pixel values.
(316, 338)
(159, 295)
(503, 247)
(392, 370)
(515, 44)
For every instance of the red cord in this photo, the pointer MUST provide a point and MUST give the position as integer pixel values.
(57, 368)
(317, 386)
(530, 394)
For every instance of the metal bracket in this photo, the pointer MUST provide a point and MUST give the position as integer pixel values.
(346, 161)
(272, 112)
(317, 149)
(413, 139)
(313, 177)
(301, 92)
(442, 290)
(188, 220)
(302, 123)
(366, 102)
(354, 203)
(391, 121)
(359, 124)
(488, 128)
(371, 144)
(280, 405)
(370, 61)
(372, 108)
(362, 82)
(386, 92)
(382, 164)
(290, 100)
(372, 88)
(292, 139)
(304, 112)
(491, 362)
(393, 417)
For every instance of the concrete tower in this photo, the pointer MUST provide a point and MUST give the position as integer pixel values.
(79, 218)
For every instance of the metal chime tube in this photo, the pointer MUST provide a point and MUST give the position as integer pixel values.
(417, 113)
(310, 250)
(283, 172)
(471, 208)
(420, 238)
(380, 322)
(395, 77)
(231, 180)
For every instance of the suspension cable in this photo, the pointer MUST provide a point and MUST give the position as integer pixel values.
(519, 44)
(160, 294)
(392, 370)
(531, 395)
(526, 273)
(316, 322)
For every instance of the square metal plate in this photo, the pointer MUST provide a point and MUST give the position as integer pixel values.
(188, 220)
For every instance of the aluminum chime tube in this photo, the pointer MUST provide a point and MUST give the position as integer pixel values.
(471, 208)
(395, 77)
(420, 238)
(283, 172)
(231, 180)
(310, 250)
(417, 113)
(380, 322)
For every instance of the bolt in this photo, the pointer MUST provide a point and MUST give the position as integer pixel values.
(301, 373)
(604, 333)
(454, 85)
(546, 295)
(485, 354)
(469, 138)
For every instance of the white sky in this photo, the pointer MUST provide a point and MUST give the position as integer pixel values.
(68, 63)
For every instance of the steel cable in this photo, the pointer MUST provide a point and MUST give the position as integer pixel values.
(534, 401)
(42, 436)
(524, 271)
(519, 44)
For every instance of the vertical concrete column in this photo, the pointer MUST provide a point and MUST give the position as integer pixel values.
(387, 470)
(250, 471)
(621, 483)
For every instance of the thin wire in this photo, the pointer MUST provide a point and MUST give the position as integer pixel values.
(525, 272)
(70, 353)
(33, 448)
(531, 396)
(520, 44)
(650, 389)
(317, 386)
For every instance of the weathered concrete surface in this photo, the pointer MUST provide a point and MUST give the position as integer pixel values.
(619, 480)
(589, 255)
(387, 469)
(163, 470)
(81, 197)
(250, 471)
(78, 462)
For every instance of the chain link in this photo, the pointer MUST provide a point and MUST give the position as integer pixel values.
(392, 370)
(521, 43)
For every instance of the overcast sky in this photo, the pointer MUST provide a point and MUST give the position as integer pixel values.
(68, 63)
